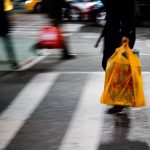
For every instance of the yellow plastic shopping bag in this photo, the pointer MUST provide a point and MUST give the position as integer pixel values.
(123, 79)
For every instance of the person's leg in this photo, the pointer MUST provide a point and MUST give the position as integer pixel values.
(10, 51)
(109, 48)
(65, 48)
(34, 48)
(104, 60)
(65, 52)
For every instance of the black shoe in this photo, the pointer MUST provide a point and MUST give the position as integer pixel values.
(15, 65)
(115, 109)
(70, 56)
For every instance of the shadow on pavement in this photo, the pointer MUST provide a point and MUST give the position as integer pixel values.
(120, 140)
(47, 65)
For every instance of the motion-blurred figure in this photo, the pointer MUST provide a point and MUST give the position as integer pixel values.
(54, 10)
(4, 30)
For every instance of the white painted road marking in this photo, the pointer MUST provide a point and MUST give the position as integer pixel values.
(12, 119)
(85, 128)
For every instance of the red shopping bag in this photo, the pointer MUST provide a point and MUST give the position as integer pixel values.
(50, 37)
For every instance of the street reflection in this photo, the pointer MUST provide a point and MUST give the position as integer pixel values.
(120, 136)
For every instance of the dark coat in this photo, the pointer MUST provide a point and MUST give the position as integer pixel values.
(54, 8)
(4, 22)
(120, 21)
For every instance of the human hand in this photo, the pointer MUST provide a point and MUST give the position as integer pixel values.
(124, 40)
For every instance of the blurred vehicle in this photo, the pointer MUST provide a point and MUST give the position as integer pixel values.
(8, 5)
(92, 10)
(142, 10)
(19, 4)
(79, 9)
(33, 5)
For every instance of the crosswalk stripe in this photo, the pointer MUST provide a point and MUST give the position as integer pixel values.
(146, 83)
(22, 27)
(12, 119)
(84, 129)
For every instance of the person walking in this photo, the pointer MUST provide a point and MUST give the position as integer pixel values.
(120, 25)
(4, 30)
(53, 8)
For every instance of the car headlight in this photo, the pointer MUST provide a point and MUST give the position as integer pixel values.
(28, 1)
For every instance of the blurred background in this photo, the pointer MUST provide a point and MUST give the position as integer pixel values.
(81, 10)
(82, 17)
(51, 104)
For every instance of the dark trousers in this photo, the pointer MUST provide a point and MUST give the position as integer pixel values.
(111, 42)
(56, 21)
(9, 48)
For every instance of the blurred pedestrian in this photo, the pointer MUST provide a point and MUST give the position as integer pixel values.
(54, 10)
(4, 30)
(120, 24)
